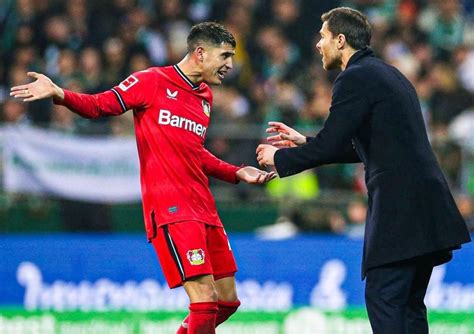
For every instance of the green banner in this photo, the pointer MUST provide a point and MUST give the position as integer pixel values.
(297, 321)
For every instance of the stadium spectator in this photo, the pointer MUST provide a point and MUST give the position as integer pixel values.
(14, 112)
(90, 69)
(445, 25)
(356, 216)
(448, 98)
(115, 60)
(466, 207)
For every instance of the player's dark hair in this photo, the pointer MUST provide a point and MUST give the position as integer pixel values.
(209, 32)
(351, 23)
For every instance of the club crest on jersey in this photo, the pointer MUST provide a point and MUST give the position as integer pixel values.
(195, 256)
(127, 83)
(206, 107)
(171, 95)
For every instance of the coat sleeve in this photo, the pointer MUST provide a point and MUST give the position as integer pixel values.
(132, 93)
(333, 144)
(347, 155)
(215, 167)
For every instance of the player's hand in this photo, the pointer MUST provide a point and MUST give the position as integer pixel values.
(254, 175)
(41, 88)
(266, 154)
(285, 137)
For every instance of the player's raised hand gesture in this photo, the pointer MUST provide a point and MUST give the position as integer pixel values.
(285, 137)
(41, 88)
(254, 175)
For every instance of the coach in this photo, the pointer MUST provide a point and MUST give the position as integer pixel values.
(375, 118)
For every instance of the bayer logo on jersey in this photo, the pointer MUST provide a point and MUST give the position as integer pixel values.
(196, 256)
(206, 107)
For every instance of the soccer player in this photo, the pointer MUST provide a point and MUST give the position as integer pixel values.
(172, 106)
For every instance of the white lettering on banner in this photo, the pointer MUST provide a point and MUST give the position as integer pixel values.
(328, 293)
(448, 296)
(310, 320)
(45, 324)
(49, 324)
(269, 296)
(101, 295)
(148, 295)
(166, 118)
(299, 321)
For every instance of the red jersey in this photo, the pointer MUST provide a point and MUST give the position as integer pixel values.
(171, 119)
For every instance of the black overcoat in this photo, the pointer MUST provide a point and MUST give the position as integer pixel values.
(375, 117)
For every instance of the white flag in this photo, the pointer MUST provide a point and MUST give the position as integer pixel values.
(94, 169)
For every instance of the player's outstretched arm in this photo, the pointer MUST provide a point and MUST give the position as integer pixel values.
(254, 175)
(285, 137)
(112, 102)
(42, 88)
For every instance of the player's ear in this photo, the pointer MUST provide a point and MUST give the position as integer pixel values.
(199, 51)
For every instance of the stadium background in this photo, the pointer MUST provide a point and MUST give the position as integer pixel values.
(297, 241)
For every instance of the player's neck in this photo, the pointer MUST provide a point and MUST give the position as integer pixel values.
(190, 69)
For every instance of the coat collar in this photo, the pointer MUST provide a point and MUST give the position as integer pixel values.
(359, 54)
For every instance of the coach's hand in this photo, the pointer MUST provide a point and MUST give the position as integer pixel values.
(266, 154)
(285, 137)
(42, 88)
(254, 175)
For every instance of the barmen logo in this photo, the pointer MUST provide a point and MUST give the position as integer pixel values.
(127, 83)
(166, 118)
(195, 256)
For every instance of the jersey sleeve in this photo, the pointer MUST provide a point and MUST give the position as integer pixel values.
(215, 167)
(135, 92)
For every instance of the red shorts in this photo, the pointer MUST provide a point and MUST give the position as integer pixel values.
(188, 249)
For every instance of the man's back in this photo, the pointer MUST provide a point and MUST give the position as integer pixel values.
(412, 221)
(411, 210)
(395, 126)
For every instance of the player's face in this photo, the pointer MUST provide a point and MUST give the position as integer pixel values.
(328, 48)
(217, 61)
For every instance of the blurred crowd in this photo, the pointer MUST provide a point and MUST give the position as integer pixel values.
(90, 46)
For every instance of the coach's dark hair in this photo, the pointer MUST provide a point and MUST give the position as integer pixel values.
(209, 32)
(351, 23)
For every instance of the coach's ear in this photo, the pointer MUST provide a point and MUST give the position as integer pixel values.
(341, 41)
